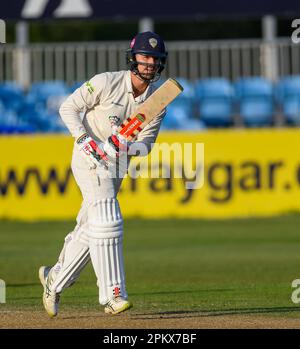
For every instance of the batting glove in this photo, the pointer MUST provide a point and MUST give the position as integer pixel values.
(115, 146)
(93, 153)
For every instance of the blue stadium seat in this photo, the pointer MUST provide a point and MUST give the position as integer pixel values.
(11, 95)
(41, 105)
(214, 98)
(255, 101)
(188, 89)
(40, 92)
(179, 116)
(56, 124)
(75, 86)
(35, 112)
(288, 98)
(180, 113)
(11, 124)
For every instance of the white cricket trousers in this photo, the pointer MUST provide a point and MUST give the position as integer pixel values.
(97, 236)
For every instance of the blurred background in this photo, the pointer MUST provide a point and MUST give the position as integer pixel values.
(237, 63)
(240, 68)
(235, 248)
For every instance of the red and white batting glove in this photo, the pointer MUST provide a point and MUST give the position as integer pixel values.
(115, 146)
(93, 153)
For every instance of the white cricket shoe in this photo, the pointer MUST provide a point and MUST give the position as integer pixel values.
(50, 298)
(117, 305)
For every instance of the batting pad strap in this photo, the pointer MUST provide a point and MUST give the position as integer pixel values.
(98, 231)
(105, 219)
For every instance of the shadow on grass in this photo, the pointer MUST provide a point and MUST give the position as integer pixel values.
(180, 292)
(176, 314)
(184, 314)
(156, 293)
(198, 313)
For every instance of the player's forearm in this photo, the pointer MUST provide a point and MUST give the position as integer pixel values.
(71, 118)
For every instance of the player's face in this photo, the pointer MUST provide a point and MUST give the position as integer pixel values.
(147, 65)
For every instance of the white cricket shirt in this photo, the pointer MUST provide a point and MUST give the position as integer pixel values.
(105, 100)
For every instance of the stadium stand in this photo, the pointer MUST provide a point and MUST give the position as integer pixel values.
(205, 103)
(214, 101)
(254, 100)
(75, 86)
(287, 94)
(181, 112)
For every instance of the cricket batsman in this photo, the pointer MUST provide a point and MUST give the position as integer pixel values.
(92, 114)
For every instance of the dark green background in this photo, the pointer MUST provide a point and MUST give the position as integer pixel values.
(188, 29)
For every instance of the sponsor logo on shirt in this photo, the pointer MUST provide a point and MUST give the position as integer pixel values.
(90, 87)
(118, 104)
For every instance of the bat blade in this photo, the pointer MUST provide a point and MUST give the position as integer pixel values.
(153, 105)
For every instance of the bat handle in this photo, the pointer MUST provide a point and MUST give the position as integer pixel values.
(114, 130)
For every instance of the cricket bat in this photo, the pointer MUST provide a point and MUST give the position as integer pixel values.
(153, 105)
(133, 125)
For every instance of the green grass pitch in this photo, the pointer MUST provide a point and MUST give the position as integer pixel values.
(231, 266)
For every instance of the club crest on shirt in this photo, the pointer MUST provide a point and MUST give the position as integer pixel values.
(114, 120)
